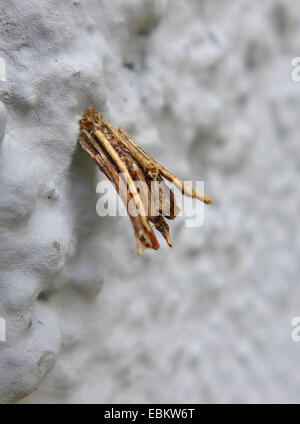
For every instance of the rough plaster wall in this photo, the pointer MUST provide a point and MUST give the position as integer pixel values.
(205, 87)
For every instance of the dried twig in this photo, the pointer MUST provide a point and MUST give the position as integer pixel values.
(126, 163)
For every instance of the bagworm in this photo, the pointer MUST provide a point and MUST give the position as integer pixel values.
(137, 177)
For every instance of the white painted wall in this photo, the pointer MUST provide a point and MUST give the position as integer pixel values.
(206, 88)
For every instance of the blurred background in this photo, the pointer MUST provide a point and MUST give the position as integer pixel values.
(206, 87)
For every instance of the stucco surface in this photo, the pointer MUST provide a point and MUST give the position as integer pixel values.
(206, 88)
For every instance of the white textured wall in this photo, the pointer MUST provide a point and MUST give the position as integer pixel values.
(205, 86)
